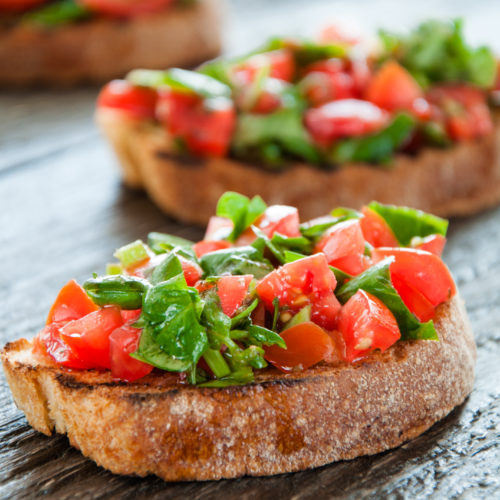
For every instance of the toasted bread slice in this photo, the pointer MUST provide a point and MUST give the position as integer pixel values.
(280, 423)
(101, 49)
(461, 180)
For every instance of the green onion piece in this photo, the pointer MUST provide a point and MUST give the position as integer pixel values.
(132, 254)
(302, 316)
(216, 362)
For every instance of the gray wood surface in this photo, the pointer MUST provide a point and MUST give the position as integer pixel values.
(63, 211)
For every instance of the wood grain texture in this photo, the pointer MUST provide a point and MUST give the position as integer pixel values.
(63, 212)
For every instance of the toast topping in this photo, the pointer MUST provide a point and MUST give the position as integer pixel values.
(259, 288)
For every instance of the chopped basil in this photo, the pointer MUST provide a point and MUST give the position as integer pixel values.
(124, 291)
(57, 13)
(407, 223)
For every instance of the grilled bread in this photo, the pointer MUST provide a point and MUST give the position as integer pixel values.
(460, 180)
(280, 423)
(101, 49)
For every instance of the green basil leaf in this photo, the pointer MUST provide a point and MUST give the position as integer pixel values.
(376, 280)
(409, 222)
(162, 243)
(167, 269)
(238, 260)
(375, 148)
(124, 291)
(57, 13)
(340, 276)
(297, 243)
(292, 256)
(261, 335)
(245, 314)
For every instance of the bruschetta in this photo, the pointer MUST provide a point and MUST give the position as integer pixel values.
(270, 346)
(309, 124)
(66, 42)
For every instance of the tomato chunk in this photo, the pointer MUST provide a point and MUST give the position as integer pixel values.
(192, 271)
(49, 342)
(413, 299)
(376, 231)
(88, 337)
(72, 302)
(130, 316)
(207, 246)
(434, 243)
(122, 342)
(205, 125)
(280, 219)
(305, 281)
(366, 324)
(422, 271)
(393, 88)
(126, 8)
(218, 228)
(232, 290)
(344, 118)
(307, 344)
(342, 240)
(281, 64)
(138, 102)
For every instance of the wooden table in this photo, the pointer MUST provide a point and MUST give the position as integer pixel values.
(64, 211)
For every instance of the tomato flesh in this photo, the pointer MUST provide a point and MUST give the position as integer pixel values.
(206, 246)
(205, 125)
(434, 243)
(137, 102)
(420, 270)
(393, 88)
(376, 231)
(307, 344)
(280, 219)
(232, 290)
(344, 118)
(72, 302)
(88, 337)
(342, 240)
(192, 271)
(123, 341)
(126, 8)
(297, 284)
(281, 65)
(218, 228)
(366, 324)
(413, 299)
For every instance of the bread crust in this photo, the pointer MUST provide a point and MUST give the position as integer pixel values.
(102, 49)
(280, 423)
(460, 180)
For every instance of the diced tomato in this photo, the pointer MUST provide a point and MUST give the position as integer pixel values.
(366, 324)
(259, 315)
(130, 316)
(203, 286)
(207, 246)
(19, 5)
(72, 302)
(280, 219)
(466, 112)
(344, 118)
(393, 88)
(88, 337)
(122, 342)
(341, 240)
(413, 299)
(281, 65)
(376, 231)
(339, 33)
(307, 344)
(232, 290)
(205, 125)
(126, 8)
(192, 271)
(262, 100)
(138, 102)
(218, 228)
(49, 342)
(434, 243)
(420, 270)
(352, 264)
(305, 281)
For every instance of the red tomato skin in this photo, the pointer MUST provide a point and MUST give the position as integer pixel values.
(366, 324)
(123, 341)
(130, 316)
(339, 33)
(420, 270)
(19, 5)
(393, 88)
(207, 131)
(206, 246)
(413, 299)
(280, 219)
(434, 243)
(305, 281)
(232, 290)
(376, 231)
(281, 66)
(126, 8)
(218, 228)
(342, 240)
(344, 118)
(72, 302)
(136, 102)
(307, 345)
(88, 337)
(192, 271)
(48, 342)
(352, 264)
